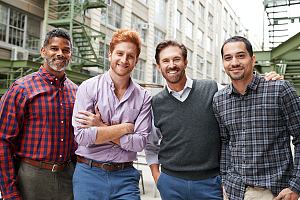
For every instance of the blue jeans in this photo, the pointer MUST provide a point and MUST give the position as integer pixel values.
(92, 183)
(172, 188)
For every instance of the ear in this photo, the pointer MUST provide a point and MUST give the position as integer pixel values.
(109, 56)
(253, 60)
(158, 67)
(186, 63)
(43, 52)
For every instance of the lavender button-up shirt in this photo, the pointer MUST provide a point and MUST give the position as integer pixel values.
(134, 107)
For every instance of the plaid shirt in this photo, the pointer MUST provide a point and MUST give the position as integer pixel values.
(35, 115)
(255, 132)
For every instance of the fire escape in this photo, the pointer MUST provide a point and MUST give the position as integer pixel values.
(284, 56)
(71, 15)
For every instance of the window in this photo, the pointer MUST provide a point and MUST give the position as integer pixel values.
(189, 29)
(114, 15)
(178, 20)
(3, 22)
(200, 67)
(144, 1)
(103, 53)
(139, 70)
(189, 69)
(210, 19)
(200, 37)
(209, 70)
(160, 13)
(191, 4)
(158, 36)
(156, 75)
(140, 26)
(13, 29)
(201, 11)
(209, 45)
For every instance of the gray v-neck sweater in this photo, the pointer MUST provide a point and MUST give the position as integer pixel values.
(190, 147)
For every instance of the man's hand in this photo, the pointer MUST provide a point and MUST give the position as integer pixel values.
(88, 119)
(273, 76)
(287, 194)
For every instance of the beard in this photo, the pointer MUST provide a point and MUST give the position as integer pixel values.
(57, 67)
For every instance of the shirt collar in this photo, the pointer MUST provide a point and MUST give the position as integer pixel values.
(112, 85)
(53, 80)
(252, 86)
(188, 84)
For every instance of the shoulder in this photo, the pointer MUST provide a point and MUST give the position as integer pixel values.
(142, 91)
(71, 84)
(222, 93)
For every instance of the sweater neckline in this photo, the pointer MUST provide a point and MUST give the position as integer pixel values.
(188, 97)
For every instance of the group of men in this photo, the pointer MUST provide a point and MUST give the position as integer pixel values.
(200, 142)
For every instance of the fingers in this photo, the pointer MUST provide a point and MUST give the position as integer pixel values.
(97, 111)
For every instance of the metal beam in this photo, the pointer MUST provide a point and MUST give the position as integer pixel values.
(285, 47)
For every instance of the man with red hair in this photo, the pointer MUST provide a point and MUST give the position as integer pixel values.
(107, 149)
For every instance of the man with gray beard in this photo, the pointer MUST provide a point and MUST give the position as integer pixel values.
(36, 134)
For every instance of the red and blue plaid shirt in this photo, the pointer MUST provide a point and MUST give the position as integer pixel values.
(35, 116)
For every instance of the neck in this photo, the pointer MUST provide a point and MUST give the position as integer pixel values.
(241, 85)
(179, 85)
(120, 82)
(57, 74)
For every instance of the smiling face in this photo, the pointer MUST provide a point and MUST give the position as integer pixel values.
(57, 54)
(123, 58)
(172, 65)
(238, 64)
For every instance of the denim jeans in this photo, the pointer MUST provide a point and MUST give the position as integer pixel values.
(173, 188)
(92, 183)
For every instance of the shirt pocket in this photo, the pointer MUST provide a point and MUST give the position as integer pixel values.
(129, 115)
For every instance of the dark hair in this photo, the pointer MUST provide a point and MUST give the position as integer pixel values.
(57, 32)
(167, 43)
(239, 39)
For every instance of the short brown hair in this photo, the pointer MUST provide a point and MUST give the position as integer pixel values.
(125, 35)
(167, 43)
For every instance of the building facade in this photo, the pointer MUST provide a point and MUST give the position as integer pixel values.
(202, 25)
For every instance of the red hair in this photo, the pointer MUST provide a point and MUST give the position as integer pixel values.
(125, 35)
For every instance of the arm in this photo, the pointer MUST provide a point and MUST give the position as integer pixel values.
(273, 76)
(142, 127)
(105, 133)
(290, 104)
(151, 152)
(11, 116)
(225, 159)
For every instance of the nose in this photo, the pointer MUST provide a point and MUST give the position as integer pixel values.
(59, 52)
(235, 61)
(124, 58)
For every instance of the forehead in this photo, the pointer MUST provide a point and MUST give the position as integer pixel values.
(170, 52)
(126, 46)
(59, 41)
(234, 47)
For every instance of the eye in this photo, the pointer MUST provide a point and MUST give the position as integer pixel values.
(227, 58)
(241, 56)
(66, 51)
(53, 48)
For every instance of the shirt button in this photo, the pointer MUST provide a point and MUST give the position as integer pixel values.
(56, 79)
(62, 139)
(61, 104)
(60, 156)
(62, 122)
(51, 83)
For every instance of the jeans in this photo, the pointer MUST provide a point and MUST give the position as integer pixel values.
(92, 183)
(173, 188)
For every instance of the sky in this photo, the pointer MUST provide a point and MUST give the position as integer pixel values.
(252, 16)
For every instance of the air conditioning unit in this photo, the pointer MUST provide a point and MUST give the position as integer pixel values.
(18, 53)
(144, 26)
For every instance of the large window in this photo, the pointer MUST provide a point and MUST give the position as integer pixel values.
(139, 70)
(201, 11)
(114, 15)
(200, 37)
(156, 75)
(19, 29)
(140, 26)
(103, 52)
(191, 4)
(210, 19)
(209, 70)
(209, 45)
(178, 20)
(160, 13)
(189, 69)
(200, 67)
(189, 29)
(158, 36)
